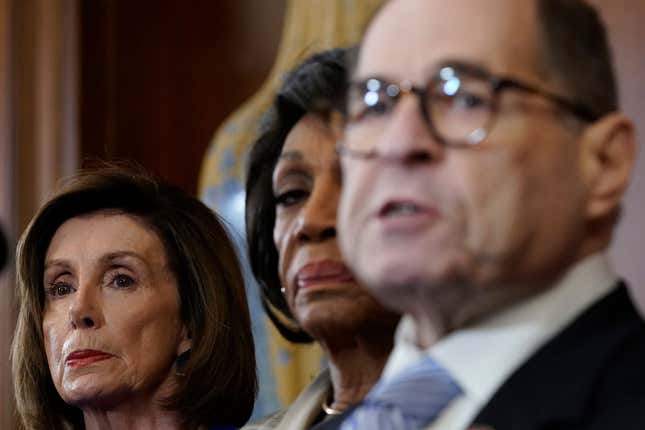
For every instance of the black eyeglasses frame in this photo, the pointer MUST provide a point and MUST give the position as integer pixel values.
(497, 85)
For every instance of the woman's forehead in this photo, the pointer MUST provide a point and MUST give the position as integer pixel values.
(103, 233)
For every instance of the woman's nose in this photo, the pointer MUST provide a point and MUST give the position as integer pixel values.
(317, 220)
(84, 309)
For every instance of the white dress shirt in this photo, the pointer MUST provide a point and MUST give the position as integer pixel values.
(481, 357)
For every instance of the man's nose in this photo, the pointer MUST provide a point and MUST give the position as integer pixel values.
(317, 220)
(406, 137)
(85, 308)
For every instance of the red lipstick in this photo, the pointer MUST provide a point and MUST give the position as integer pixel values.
(86, 357)
(323, 272)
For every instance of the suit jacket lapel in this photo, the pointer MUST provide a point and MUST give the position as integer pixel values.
(555, 387)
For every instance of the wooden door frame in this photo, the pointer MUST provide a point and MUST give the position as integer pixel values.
(38, 131)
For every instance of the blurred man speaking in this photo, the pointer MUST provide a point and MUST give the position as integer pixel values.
(485, 159)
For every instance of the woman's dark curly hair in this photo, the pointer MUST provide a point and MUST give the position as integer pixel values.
(315, 86)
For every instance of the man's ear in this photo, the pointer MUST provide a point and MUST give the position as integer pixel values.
(609, 154)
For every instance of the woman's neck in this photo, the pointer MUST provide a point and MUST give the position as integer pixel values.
(356, 364)
(132, 415)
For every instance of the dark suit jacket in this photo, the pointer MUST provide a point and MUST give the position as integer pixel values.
(590, 376)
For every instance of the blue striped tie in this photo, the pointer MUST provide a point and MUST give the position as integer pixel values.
(410, 400)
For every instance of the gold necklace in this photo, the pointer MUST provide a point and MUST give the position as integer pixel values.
(329, 410)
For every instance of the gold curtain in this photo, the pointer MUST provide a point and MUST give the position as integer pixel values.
(310, 26)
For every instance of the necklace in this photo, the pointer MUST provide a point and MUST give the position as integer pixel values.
(329, 410)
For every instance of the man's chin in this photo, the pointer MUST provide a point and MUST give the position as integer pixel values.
(395, 292)
(402, 284)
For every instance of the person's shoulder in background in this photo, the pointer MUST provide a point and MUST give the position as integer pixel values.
(223, 428)
(266, 423)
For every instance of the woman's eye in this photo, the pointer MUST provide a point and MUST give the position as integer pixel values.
(58, 289)
(122, 281)
(290, 197)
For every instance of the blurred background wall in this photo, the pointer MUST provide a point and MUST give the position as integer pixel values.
(157, 77)
(152, 80)
(625, 19)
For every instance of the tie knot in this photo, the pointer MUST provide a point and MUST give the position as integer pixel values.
(409, 400)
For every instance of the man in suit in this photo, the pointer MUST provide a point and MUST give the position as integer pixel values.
(485, 158)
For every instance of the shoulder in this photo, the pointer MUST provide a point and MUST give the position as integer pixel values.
(591, 372)
(267, 423)
(303, 412)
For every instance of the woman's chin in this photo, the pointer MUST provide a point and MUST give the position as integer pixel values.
(92, 392)
(331, 318)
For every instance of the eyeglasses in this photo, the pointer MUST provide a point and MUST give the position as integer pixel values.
(459, 104)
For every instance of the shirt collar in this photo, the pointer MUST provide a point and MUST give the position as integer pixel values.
(481, 357)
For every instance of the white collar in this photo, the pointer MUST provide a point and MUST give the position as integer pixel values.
(483, 356)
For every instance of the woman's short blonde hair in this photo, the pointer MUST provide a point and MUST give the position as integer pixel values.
(218, 385)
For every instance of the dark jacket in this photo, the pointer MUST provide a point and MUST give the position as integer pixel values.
(590, 376)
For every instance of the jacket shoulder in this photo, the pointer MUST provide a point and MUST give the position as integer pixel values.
(266, 423)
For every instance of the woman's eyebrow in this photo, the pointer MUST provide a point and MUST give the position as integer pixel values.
(291, 155)
(57, 262)
(104, 259)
